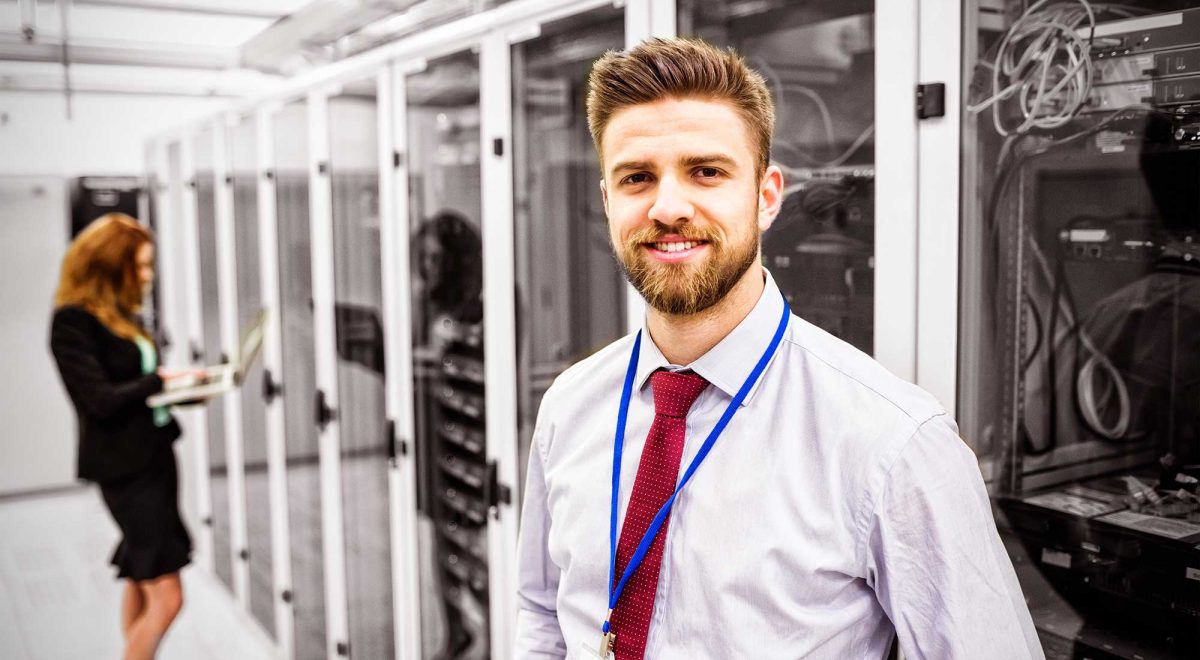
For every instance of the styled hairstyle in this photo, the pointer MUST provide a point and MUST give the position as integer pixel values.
(99, 273)
(679, 68)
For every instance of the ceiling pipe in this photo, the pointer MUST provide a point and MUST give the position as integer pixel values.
(92, 51)
(64, 12)
(245, 10)
(310, 34)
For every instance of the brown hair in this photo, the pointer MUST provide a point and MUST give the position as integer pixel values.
(680, 68)
(99, 273)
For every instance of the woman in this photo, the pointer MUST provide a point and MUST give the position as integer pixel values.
(108, 363)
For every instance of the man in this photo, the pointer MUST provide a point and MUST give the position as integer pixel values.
(824, 506)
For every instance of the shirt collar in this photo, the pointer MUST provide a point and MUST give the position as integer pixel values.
(727, 364)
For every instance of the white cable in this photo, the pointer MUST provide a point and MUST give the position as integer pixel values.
(826, 118)
(1085, 393)
(781, 99)
(1089, 407)
(792, 172)
(1045, 40)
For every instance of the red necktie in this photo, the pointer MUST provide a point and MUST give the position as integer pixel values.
(658, 471)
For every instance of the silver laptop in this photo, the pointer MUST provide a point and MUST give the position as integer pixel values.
(219, 378)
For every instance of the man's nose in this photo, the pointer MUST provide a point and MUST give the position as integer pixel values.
(671, 203)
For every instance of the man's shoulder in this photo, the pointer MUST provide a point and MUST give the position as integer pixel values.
(587, 378)
(836, 363)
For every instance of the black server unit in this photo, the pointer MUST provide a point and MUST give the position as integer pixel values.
(93, 196)
(1095, 231)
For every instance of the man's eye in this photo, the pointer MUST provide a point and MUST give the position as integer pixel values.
(638, 177)
(708, 172)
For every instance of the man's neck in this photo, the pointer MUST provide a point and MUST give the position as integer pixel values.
(684, 338)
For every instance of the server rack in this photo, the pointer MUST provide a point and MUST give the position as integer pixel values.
(1077, 378)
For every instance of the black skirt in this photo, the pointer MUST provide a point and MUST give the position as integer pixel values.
(154, 541)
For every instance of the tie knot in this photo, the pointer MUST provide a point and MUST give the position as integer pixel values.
(674, 393)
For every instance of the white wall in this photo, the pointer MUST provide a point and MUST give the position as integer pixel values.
(106, 134)
(37, 439)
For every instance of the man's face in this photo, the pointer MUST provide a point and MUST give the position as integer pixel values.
(684, 200)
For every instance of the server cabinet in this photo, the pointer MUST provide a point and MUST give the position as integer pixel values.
(209, 349)
(569, 289)
(182, 192)
(243, 183)
(365, 440)
(818, 60)
(1079, 365)
(296, 382)
(446, 266)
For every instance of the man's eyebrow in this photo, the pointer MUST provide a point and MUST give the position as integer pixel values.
(686, 161)
(708, 159)
(629, 165)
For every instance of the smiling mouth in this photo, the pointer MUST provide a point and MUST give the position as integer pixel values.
(675, 246)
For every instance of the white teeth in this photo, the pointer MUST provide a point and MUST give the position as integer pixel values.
(675, 247)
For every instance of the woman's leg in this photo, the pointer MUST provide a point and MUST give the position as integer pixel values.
(133, 606)
(164, 598)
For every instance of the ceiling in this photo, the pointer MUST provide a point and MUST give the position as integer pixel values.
(209, 48)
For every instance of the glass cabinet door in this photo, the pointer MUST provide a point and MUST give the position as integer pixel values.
(209, 352)
(365, 441)
(818, 60)
(241, 145)
(1079, 363)
(299, 379)
(447, 312)
(570, 291)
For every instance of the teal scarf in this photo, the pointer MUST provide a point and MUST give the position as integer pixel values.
(162, 416)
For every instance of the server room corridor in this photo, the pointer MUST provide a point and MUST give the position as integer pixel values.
(356, 364)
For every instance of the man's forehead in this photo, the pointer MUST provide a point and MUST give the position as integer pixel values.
(675, 130)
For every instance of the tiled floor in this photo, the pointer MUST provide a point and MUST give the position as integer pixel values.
(58, 596)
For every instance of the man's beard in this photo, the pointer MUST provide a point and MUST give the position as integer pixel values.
(683, 288)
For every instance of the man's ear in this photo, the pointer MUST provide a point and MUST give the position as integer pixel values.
(604, 195)
(770, 197)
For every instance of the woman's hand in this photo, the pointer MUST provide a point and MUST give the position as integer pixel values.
(177, 374)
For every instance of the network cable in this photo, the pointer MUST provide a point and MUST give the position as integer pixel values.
(1044, 62)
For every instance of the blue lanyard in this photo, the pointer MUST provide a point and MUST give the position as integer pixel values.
(618, 445)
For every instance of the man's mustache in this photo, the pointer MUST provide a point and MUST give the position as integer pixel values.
(659, 230)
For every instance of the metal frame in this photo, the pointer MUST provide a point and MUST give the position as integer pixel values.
(325, 340)
(268, 255)
(398, 352)
(227, 303)
(644, 19)
(499, 337)
(169, 281)
(939, 195)
(195, 330)
(896, 175)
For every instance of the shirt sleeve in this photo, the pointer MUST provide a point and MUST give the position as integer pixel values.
(76, 353)
(939, 568)
(538, 634)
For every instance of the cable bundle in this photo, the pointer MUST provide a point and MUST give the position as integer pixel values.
(1044, 63)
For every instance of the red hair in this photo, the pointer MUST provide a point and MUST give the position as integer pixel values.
(99, 273)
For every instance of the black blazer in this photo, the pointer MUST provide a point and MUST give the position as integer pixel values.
(103, 376)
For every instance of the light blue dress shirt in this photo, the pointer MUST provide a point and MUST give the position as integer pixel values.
(839, 509)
